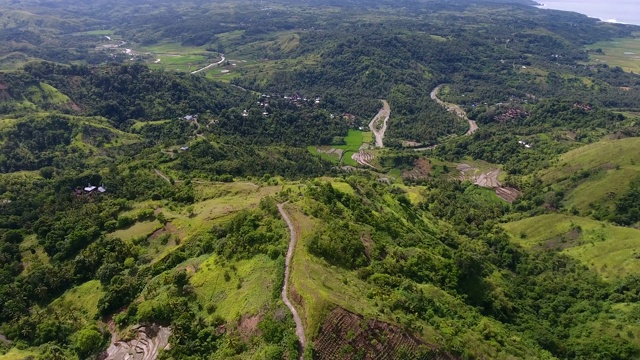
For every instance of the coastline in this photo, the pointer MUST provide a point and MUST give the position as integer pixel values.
(578, 7)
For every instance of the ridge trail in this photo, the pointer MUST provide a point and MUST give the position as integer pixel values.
(285, 287)
(210, 65)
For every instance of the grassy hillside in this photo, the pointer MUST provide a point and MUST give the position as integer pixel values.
(610, 250)
(595, 175)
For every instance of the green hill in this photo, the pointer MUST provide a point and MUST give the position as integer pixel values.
(155, 207)
(594, 176)
(608, 249)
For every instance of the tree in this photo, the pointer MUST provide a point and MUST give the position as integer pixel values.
(88, 341)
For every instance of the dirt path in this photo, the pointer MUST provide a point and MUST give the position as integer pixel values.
(285, 288)
(162, 175)
(196, 132)
(384, 113)
(473, 126)
(210, 65)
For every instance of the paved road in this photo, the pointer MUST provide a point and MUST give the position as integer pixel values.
(210, 65)
(285, 288)
(473, 126)
(385, 113)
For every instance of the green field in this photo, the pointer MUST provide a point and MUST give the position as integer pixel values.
(610, 250)
(96, 32)
(145, 228)
(82, 300)
(247, 290)
(176, 57)
(624, 53)
(353, 140)
(352, 143)
(140, 124)
(612, 165)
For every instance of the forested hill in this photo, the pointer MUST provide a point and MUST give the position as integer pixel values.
(164, 165)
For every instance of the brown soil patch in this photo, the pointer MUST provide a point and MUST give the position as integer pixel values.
(625, 88)
(507, 194)
(411, 144)
(73, 106)
(421, 169)
(488, 179)
(248, 326)
(368, 244)
(564, 241)
(348, 336)
(295, 297)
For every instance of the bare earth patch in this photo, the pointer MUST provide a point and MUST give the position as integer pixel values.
(145, 345)
(421, 170)
(348, 336)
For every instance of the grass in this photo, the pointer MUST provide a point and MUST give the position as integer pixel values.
(330, 157)
(29, 259)
(247, 291)
(140, 124)
(16, 354)
(624, 53)
(320, 285)
(613, 165)
(175, 57)
(610, 250)
(342, 186)
(144, 228)
(353, 141)
(95, 32)
(82, 300)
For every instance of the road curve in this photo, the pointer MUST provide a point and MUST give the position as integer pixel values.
(473, 126)
(385, 113)
(210, 65)
(163, 176)
(285, 288)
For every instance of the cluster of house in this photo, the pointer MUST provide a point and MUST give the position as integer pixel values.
(91, 189)
(511, 114)
(265, 99)
(528, 146)
(298, 99)
(190, 118)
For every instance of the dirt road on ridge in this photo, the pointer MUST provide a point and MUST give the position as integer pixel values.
(210, 65)
(473, 126)
(285, 288)
(384, 113)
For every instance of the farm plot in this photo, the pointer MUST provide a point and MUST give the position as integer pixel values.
(175, 57)
(345, 335)
(624, 53)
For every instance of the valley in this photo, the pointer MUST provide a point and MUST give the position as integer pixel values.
(317, 180)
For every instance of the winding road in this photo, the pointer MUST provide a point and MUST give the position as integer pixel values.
(210, 65)
(473, 126)
(384, 113)
(163, 176)
(285, 288)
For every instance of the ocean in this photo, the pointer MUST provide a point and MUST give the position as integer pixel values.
(621, 11)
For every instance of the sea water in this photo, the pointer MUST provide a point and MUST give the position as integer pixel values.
(621, 11)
